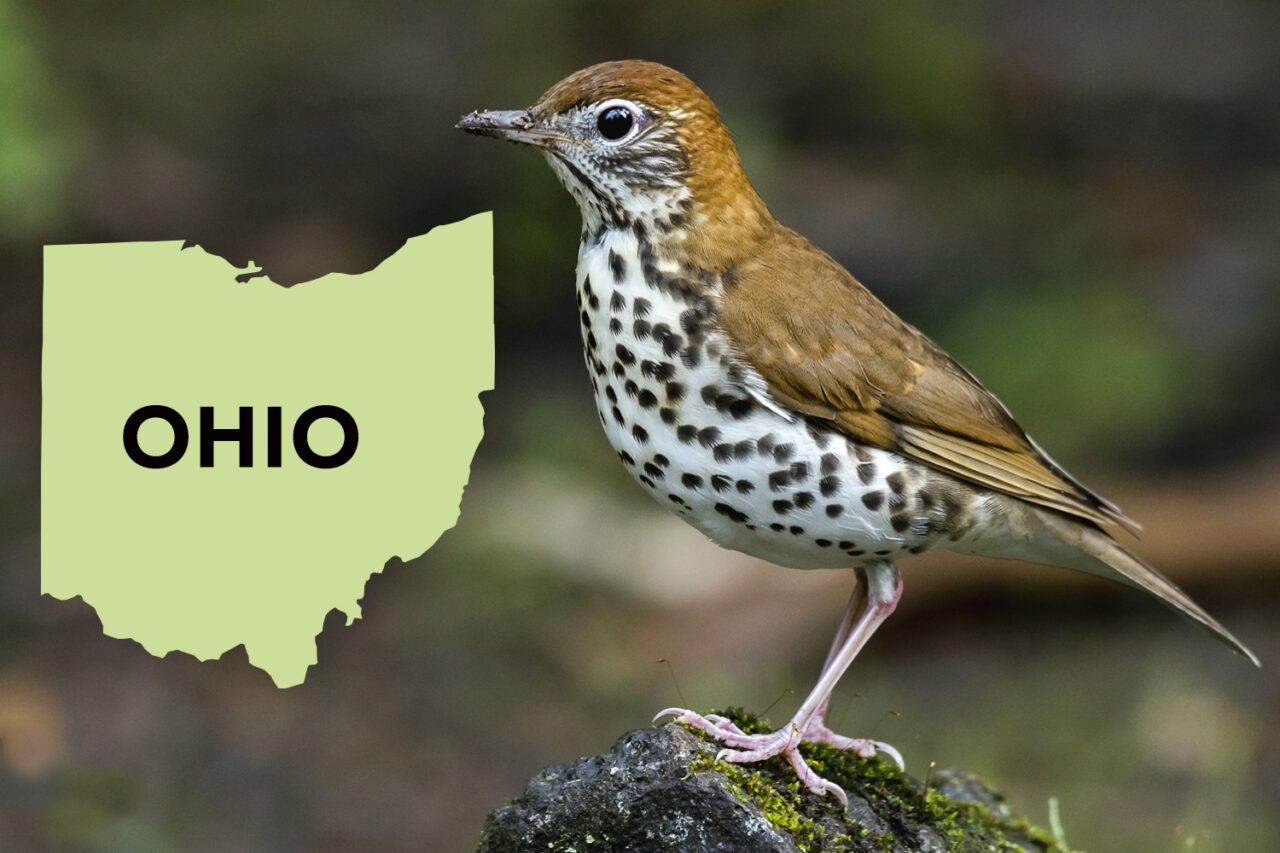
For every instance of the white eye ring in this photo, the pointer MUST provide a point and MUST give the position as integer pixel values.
(635, 113)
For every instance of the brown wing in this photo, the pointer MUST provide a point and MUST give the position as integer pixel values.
(828, 348)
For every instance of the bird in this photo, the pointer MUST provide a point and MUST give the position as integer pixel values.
(750, 384)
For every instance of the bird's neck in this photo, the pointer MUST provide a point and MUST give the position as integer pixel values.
(711, 233)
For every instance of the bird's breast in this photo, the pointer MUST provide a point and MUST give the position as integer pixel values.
(694, 426)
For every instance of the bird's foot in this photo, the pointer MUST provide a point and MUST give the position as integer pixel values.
(743, 748)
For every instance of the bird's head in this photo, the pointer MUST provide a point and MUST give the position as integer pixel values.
(639, 146)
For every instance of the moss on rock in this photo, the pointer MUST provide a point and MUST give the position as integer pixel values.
(664, 789)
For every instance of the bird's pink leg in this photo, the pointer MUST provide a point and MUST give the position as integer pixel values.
(877, 594)
(817, 731)
(714, 724)
(857, 601)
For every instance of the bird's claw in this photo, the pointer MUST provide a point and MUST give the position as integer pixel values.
(743, 748)
(817, 732)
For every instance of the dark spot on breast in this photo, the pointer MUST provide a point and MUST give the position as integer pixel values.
(640, 328)
(641, 306)
(822, 543)
(745, 487)
(866, 472)
(722, 452)
(591, 340)
(617, 265)
(686, 433)
(720, 482)
(782, 452)
(844, 545)
(707, 436)
(639, 434)
(691, 481)
(803, 500)
(617, 416)
(618, 370)
(731, 513)
(659, 459)
(615, 326)
(800, 471)
(665, 371)
(725, 404)
(626, 458)
(647, 399)
(779, 480)
(653, 471)
(690, 356)
(625, 355)
(886, 552)
(900, 522)
(796, 530)
(709, 393)
(668, 415)
(895, 482)
(744, 449)
(766, 443)
(830, 463)
(676, 499)
(611, 394)
(873, 500)
(782, 507)
(691, 321)
(862, 453)
(675, 392)
(617, 302)
(777, 528)
(829, 486)
(644, 479)
(594, 302)
(834, 510)
(586, 320)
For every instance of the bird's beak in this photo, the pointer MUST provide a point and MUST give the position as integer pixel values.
(511, 125)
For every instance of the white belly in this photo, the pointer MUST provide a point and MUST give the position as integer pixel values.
(675, 406)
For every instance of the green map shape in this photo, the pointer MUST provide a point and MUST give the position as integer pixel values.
(204, 559)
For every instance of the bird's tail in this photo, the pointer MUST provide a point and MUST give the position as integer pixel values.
(1061, 541)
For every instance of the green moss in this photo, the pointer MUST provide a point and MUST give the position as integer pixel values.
(778, 804)
(895, 797)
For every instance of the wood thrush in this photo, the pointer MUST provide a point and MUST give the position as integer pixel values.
(759, 391)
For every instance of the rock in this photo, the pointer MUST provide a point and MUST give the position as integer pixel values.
(662, 789)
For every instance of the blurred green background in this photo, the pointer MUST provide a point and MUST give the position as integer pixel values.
(1079, 199)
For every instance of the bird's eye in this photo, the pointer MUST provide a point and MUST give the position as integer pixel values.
(615, 122)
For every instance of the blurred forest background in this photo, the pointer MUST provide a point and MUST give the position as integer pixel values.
(1079, 199)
